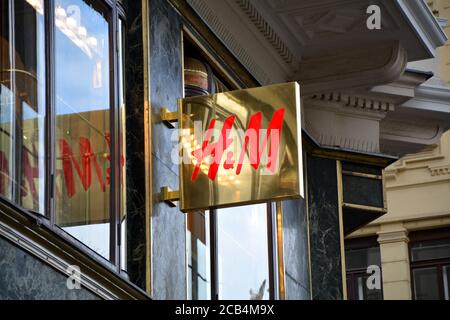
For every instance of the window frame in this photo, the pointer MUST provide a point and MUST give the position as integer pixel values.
(214, 263)
(424, 237)
(113, 12)
(353, 274)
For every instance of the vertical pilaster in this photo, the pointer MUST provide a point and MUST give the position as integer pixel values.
(394, 250)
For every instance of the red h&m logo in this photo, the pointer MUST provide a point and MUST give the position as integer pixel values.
(255, 140)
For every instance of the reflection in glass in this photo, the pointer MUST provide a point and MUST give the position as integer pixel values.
(243, 253)
(426, 284)
(198, 246)
(22, 103)
(82, 183)
(362, 258)
(430, 250)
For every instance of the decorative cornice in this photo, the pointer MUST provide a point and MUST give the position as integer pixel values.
(330, 139)
(435, 93)
(432, 163)
(266, 30)
(355, 101)
(212, 20)
(415, 161)
(393, 236)
(373, 65)
(423, 23)
(439, 171)
(426, 133)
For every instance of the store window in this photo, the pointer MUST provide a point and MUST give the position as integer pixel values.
(363, 267)
(62, 150)
(430, 264)
(83, 117)
(23, 104)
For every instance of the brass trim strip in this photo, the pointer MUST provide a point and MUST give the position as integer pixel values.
(148, 147)
(362, 175)
(280, 252)
(351, 157)
(363, 207)
(341, 228)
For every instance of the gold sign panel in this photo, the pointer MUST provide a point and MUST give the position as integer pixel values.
(241, 147)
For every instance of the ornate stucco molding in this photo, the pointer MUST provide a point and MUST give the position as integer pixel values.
(370, 65)
(393, 236)
(345, 120)
(424, 24)
(429, 166)
(266, 30)
(214, 22)
(438, 171)
(356, 101)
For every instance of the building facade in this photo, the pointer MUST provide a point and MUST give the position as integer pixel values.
(89, 205)
(410, 243)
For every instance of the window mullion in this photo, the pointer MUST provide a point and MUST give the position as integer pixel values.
(114, 164)
(271, 252)
(12, 39)
(50, 110)
(214, 264)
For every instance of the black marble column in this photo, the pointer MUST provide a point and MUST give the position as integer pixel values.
(24, 277)
(324, 229)
(296, 256)
(135, 163)
(168, 224)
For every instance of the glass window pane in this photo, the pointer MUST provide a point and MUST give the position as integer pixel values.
(243, 253)
(366, 292)
(362, 258)
(198, 246)
(446, 278)
(426, 284)
(82, 186)
(362, 191)
(430, 250)
(22, 98)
